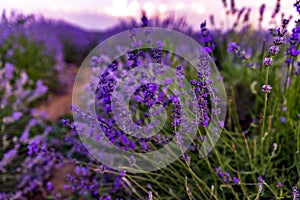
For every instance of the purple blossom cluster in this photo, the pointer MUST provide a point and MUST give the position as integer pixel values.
(226, 177)
(26, 156)
(144, 20)
(297, 5)
(19, 32)
(143, 99)
(147, 95)
(239, 52)
(80, 182)
(17, 90)
(87, 182)
(276, 10)
(293, 51)
(209, 46)
(266, 88)
(295, 193)
(202, 89)
(274, 49)
(261, 13)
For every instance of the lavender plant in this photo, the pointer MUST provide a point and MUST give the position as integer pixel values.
(224, 173)
(256, 157)
(27, 43)
(26, 160)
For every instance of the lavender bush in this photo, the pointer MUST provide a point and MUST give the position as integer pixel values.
(26, 160)
(26, 43)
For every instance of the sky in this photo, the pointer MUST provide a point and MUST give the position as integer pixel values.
(102, 14)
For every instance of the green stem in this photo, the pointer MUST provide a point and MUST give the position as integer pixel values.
(264, 117)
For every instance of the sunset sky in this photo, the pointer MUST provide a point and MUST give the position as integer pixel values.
(101, 14)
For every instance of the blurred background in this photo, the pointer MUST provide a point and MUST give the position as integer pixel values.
(50, 39)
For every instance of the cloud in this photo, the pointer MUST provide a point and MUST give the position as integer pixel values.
(122, 8)
(197, 7)
(179, 6)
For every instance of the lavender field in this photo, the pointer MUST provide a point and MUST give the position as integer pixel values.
(151, 108)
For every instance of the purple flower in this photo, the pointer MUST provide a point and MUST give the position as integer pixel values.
(159, 44)
(209, 46)
(193, 82)
(225, 176)
(221, 124)
(268, 61)
(247, 15)
(262, 10)
(259, 188)
(297, 5)
(65, 122)
(157, 53)
(233, 47)
(96, 61)
(122, 173)
(40, 90)
(284, 109)
(132, 32)
(32, 148)
(224, 3)
(49, 186)
(14, 117)
(277, 9)
(32, 122)
(208, 50)
(273, 50)
(144, 19)
(295, 193)
(278, 40)
(266, 88)
(17, 115)
(66, 187)
(285, 22)
(260, 179)
(236, 180)
(294, 52)
(279, 184)
(212, 20)
(283, 120)
(105, 198)
(233, 8)
(238, 51)
(8, 157)
(275, 146)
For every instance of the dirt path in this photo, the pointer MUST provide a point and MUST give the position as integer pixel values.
(58, 105)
